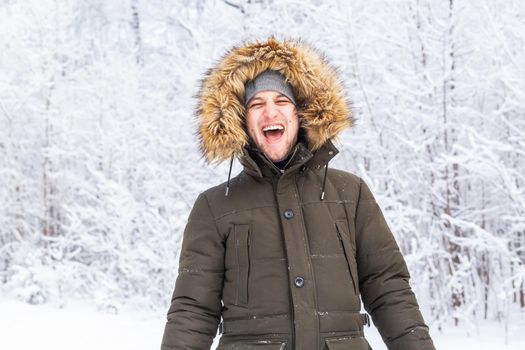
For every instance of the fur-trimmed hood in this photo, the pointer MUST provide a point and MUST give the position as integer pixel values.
(322, 107)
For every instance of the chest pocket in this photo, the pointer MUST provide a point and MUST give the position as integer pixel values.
(348, 245)
(241, 243)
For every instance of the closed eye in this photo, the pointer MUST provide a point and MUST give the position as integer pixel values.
(255, 105)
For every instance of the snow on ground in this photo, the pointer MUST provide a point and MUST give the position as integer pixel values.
(82, 327)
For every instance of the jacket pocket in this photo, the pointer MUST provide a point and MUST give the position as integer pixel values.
(254, 345)
(347, 343)
(241, 236)
(344, 239)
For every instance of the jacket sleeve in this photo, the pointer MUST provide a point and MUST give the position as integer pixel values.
(383, 280)
(196, 307)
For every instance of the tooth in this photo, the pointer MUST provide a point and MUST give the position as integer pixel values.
(273, 127)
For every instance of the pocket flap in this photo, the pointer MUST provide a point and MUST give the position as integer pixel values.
(347, 343)
(255, 345)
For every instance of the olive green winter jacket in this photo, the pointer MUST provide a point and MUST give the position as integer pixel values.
(284, 258)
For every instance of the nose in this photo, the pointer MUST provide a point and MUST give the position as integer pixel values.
(270, 109)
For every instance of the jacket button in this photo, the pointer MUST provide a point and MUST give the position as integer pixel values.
(288, 213)
(299, 281)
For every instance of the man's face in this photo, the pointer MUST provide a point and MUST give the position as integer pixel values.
(272, 124)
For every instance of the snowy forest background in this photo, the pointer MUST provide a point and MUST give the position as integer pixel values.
(99, 164)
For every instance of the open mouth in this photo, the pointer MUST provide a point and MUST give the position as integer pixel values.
(273, 132)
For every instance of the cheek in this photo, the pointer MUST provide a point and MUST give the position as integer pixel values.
(251, 125)
(293, 124)
(251, 133)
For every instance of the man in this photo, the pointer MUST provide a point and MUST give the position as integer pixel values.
(284, 250)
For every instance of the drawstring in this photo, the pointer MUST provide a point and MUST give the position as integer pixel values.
(324, 180)
(229, 176)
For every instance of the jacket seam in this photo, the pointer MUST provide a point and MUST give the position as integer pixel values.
(358, 203)
(240, 211)
(260, 317)
(343, 201)
(198, 269)
(213, 216)
(357, 311)
(359, 199)
(408, 332)
(382, 251)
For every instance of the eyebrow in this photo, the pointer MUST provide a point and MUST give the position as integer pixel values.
(262, 99)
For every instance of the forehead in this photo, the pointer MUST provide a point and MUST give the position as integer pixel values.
(265, 94)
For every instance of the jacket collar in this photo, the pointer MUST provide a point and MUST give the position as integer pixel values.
(257, 164)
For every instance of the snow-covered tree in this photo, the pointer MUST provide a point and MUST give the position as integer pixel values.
(99, 162)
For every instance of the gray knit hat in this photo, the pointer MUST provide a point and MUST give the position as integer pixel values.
(268, 80)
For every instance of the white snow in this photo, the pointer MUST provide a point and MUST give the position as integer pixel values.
(80, 326)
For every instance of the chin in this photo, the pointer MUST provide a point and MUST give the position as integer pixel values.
(277, 157)
(276, 154)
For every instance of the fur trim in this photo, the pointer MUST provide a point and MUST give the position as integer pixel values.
(322, 108)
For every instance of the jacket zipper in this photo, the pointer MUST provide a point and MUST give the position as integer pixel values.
(274, 181)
